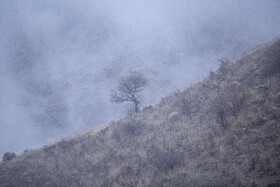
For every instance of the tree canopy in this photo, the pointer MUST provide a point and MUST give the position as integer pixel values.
(128, 89)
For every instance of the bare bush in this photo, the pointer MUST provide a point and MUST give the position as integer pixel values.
(229, 102)
(219, 109)
(272, 65)
(128, 130)
(236, 98)
(133, 128)
(8, 156)
(168, 159)
(223, 63)
(185, 107)
(211, 74)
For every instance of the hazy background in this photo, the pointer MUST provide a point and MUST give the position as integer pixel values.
(59, 59)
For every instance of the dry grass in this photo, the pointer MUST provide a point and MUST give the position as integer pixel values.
(177, 142)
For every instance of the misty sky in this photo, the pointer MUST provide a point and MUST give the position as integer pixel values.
(60, 59)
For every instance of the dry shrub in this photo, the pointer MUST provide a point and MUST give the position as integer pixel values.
(50, 151)
(236, 97)
(8, 156)
(272, 64)
(166, 160)
(185, 107)
(220, 110)
(129, 176)
(127, 130)
(229, 103)
(187, 104)
(223, 63)
(133, 128)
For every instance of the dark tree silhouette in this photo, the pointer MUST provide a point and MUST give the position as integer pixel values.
(128, 90)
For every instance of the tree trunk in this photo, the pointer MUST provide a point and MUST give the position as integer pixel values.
(136, 109)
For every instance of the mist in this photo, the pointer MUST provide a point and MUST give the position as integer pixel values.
(60, 59)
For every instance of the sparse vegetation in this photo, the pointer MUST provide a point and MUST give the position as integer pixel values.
(163, 146)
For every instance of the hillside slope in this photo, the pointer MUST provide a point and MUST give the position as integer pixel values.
(223, 130)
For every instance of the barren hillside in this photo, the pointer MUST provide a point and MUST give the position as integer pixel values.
(221, 131)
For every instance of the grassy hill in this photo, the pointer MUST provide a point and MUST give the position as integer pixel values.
(221, 131)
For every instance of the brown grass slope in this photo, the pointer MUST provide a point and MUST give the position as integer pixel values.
(222, 131)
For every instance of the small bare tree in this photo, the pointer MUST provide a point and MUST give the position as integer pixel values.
(128, 90)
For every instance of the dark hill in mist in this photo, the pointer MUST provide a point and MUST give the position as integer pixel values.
(221, 131)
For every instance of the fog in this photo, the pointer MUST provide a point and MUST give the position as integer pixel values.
(60, 59)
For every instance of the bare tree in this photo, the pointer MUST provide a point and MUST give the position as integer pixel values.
(128, 90)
